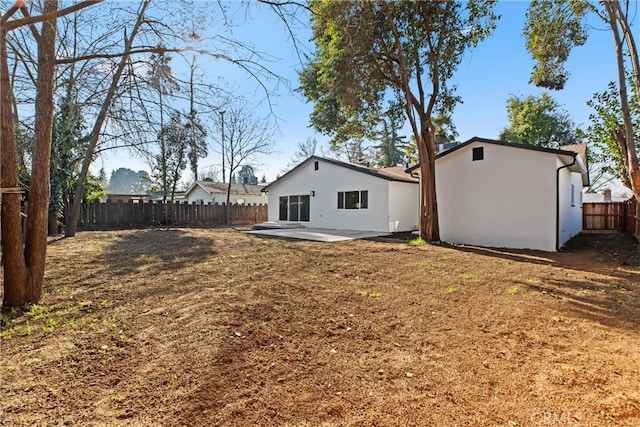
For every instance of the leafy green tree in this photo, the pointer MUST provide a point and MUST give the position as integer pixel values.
(370, 51)
(172, 160)
(606, 132)
(538, 121)
(66, 155)
(197, 142)
(554, 27)
(446, 131)
(389, 152)
(247, 175)
(128, 181)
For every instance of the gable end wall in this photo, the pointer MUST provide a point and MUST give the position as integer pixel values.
(505, 200)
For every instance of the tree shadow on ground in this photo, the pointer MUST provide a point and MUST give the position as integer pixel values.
(613, 254)
(157, 250)
(611, 300)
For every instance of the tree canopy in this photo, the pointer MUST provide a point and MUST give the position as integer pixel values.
(538, 121)
(554, 27)
(369, 52)
(606, 132)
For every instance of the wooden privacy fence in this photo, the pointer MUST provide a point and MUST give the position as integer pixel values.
(612, 216)
(633, 218)
(140, 214)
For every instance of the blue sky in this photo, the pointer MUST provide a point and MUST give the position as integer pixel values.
(496, 69)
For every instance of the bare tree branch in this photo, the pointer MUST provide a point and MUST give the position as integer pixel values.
(29, 20)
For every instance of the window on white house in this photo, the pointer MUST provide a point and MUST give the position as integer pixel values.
(283, 208)
(573, 195)
(294, 208)
(315, 165)
(353, 199)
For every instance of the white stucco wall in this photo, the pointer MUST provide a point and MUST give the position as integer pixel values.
(570, 214)
(326, 182)
(505, 200)
(404, 206)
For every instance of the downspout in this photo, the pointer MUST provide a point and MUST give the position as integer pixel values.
(558, 200)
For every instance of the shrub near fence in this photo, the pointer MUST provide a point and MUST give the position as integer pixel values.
(142, 214)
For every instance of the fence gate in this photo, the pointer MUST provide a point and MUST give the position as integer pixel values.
(611, 216)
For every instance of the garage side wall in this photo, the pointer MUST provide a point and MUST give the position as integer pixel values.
(504, 199)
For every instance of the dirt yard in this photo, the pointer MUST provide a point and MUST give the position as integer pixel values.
(195, 327)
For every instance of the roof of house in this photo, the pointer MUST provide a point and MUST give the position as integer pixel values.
(395, 173)
(576, 151)
(221, 187)
(580, 149)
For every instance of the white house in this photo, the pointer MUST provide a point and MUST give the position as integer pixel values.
(326, 193)
(216, 192)
(498, 194)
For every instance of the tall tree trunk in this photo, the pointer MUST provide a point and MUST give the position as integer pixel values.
(24, 269)
(15, 269)
(93, 137)
(631, 157)
(429, 226)
(227, 211)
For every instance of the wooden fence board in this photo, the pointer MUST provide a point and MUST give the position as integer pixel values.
(604, 216)
(633, 218)
(616, 216)
(140, 214)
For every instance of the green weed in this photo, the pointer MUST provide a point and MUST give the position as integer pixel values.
(418, 242)
(27, 330)
(513, 290)
(117, 398)
(451, 290)
(37, 312)
(49, 326)
(109, 322)
(31, 361)
(370, 294)
(7, 334)
(5, 320)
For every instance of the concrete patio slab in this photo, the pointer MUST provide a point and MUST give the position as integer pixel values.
(318, 234)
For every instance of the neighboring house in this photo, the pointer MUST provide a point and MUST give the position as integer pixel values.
(498, 194)
(606, 197)
(216, 192)
(126, 198)
(327, 193)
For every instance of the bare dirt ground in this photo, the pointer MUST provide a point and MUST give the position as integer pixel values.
(201, 327)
